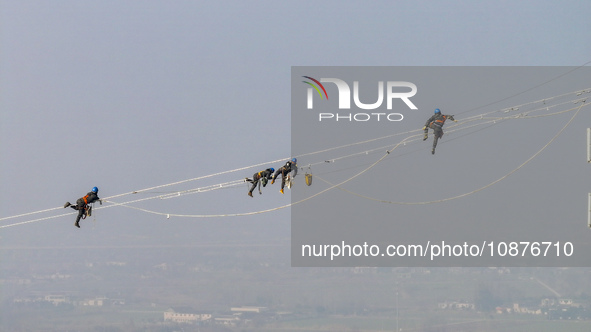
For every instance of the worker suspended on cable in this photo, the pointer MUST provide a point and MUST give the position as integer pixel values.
(285, 170)
(436, 123)
(259, 178)
(82, 204)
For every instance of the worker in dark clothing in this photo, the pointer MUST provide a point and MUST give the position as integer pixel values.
(436, 123)
(290, 165)
(259, 178)
(82, 204)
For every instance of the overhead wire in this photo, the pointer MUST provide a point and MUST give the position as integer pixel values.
(462, 122)
(492, 121)
(473, 191)
(339, 185)
(528, 89)
(29, 213)
(407, 140)
(147, 189)
(262, 211)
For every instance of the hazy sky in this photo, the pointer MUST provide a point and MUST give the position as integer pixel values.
(129, 95)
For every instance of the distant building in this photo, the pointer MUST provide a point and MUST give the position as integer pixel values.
(502, 310)
(245, 309)
(96, 302)
(56, 299)
(185, 315)
(364, 270)
(227, 320)
(116, 263)
(456, 305)
(547, 302)
(524, 310)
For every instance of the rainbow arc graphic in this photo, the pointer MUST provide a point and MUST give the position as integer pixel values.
(316, 87)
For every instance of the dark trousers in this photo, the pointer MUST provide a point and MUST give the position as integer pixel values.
(255, 181)
(437, 133)
(283, 176)
(81, 207)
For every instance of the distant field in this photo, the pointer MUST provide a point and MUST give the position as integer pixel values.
(451, 322)
(83, 319)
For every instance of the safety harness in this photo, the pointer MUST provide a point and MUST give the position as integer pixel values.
(440, 121)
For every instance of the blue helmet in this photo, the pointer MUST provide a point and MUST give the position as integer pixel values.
(437, 111)
(272, 170)
(294, 161)
(94, 190)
